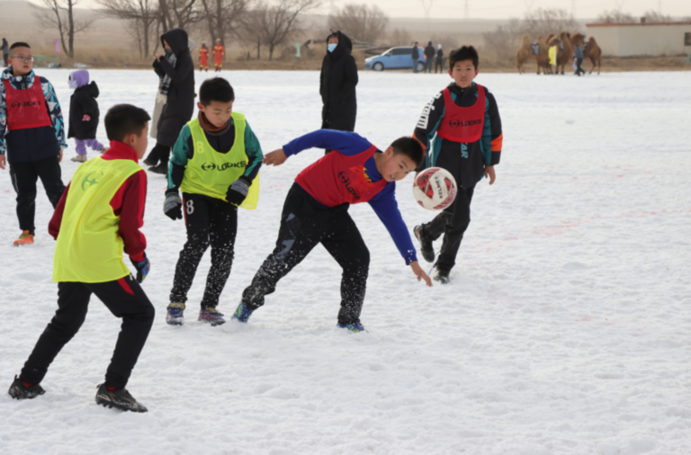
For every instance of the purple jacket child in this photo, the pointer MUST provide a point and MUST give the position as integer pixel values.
(84, 114)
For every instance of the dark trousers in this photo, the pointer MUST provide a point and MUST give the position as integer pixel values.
(579, 70)
(209, 221)
(304, 224)
(453, 221)
(124, 298)
(24, 176)
(428, 65)
(159, 154)
(438, 65)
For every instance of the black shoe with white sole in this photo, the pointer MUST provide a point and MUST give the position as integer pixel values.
(441, 275)
(118, 399)
(19, 391)
(426, 247)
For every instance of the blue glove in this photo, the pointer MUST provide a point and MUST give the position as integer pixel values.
(172, 206)
(238, 191)
(142, 268)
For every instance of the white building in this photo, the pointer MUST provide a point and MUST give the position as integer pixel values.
(642, 39)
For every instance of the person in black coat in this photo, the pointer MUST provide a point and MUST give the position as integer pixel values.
(439, 60)
(5, 52)
(176, 71)
(337, 84)
(429, 57)
(415, 54)
(84, 114)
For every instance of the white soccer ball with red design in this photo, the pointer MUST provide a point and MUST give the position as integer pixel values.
(434, 188)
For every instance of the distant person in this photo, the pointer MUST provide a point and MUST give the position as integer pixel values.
(337, 83)
(429, 57)
(415, 56)
(439, 60)
(5, 52)
(219, 52)
(216, 138)
(84, 114)
(98, 219)
(32, 136)
(204, 57)
(553, 58)
(176, 72)
(578, 52)
(461, 130)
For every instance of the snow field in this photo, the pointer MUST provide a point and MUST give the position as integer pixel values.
(565, 329)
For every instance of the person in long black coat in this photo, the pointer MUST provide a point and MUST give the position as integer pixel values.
(180, 91)
(84, 115)
(337, 84)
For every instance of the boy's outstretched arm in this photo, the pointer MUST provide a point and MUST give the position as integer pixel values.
(420, 274)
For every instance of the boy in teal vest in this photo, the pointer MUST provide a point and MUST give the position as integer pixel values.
(215, 164)
(99, 217)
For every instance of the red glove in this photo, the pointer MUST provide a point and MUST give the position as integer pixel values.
(86, 118)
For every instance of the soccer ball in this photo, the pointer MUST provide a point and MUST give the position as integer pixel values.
(434, 188)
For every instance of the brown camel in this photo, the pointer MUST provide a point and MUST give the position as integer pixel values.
(565, 56)
(594, 53)
(525, 53)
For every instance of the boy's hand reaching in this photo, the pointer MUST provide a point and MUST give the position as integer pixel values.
(275, 158)
(490, 174)
(420, 274)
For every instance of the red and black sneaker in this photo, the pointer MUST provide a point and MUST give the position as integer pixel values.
(118, 399)
(426, 247)
(19, 390)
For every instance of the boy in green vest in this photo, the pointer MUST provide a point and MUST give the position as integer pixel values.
(215, 164)
(98, 217)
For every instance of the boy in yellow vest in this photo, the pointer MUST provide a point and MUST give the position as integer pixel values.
(99, 215)
(215, 164)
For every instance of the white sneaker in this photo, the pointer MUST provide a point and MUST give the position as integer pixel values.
(79, 158)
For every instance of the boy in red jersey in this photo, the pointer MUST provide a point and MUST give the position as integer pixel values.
(316, 211)
(461, 129)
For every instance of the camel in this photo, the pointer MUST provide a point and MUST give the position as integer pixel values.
(525, 53)
(592, 51)
(565, 56)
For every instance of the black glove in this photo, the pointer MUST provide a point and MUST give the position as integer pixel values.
(238, 191)
(142, 268)
(172, 206)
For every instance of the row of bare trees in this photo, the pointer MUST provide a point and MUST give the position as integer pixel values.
(248, 22)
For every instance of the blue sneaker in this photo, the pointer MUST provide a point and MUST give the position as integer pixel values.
(212, 316)
(175, 313)
(355, 328)
(242, 314)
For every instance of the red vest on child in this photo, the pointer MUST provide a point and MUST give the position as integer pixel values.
(26, 108)
(336, 179)
(463, 124)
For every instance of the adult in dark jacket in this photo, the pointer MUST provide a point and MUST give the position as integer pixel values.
(429, 57)
(5, 52)
(337, 84)
(176, 71)
(439, 60)
(415, 56)
(84, 114)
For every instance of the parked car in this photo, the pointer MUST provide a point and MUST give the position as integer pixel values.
(396, 58)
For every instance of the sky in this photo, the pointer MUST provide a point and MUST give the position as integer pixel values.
(504, 9)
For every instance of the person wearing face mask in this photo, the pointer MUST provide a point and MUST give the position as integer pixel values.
(176, 72)
(84, 115)
(337, 84)
(215, 165)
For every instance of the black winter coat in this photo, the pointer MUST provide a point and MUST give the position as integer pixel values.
(180, 105)
(83, 102)
(429, 52)
(337, 87)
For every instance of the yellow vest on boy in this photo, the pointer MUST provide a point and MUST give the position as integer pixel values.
(210, 172)
(89, 248)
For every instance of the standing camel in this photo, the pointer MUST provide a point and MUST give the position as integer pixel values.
(565, 56)
(525, 53)
(594, 53)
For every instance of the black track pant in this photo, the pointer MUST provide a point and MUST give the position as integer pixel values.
(453, 221)
(209, 221)
(579, 70)
(24, 176)
(124, 298)
(304, 224)
(159, 154)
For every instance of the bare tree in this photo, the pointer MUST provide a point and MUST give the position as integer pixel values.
(653, 17)
(273, 25)
(223, 17)
(59, 14)
(178, 13)
(545, 21)
(141, 16)
(504, 39)
(360, 22)
(400, 37)
(616, 16)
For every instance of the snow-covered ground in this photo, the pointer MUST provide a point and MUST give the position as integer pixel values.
(566, 328)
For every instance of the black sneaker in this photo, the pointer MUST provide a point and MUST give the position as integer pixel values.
(441, 275)
(150, 162)
(118, 399)
(426, 247)
(21, 392)
(161, 168)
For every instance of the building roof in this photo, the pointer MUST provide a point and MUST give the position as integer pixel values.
(639, 24)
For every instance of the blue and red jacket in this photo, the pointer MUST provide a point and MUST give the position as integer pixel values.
(349, 175)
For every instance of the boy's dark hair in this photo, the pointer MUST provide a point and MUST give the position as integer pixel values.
(18, 44)
(123, 120)
(464, 53)
(410, 147)
(216, 89)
